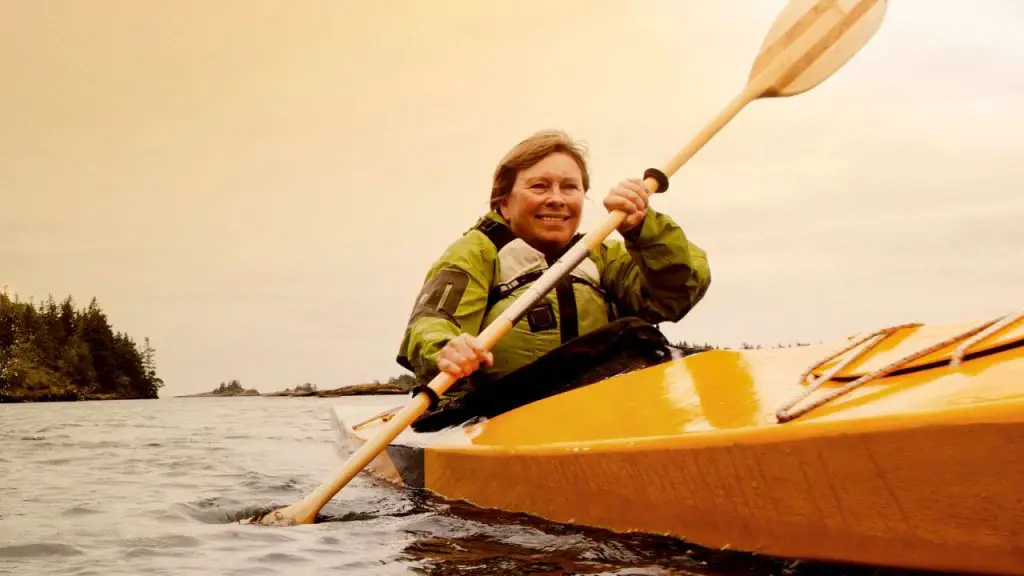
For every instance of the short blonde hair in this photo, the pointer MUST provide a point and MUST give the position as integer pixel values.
(529, 152)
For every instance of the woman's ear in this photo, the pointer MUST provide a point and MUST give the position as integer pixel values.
(503, 208)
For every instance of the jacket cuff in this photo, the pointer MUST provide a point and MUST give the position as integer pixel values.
(644, 232)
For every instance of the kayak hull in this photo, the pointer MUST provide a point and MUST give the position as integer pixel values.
(916, 470)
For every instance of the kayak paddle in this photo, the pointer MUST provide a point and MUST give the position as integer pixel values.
(808, 42)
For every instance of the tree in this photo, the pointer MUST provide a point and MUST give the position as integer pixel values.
(149, 366)
(232, 386)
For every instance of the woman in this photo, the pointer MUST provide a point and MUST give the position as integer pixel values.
(537, 195)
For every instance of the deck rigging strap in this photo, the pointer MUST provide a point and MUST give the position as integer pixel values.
(1002, 324)
(970, 337)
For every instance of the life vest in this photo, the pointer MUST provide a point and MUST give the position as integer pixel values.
(520, 264)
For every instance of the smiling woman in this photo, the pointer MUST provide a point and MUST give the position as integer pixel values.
(654, 275)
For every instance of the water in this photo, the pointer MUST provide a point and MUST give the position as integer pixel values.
(154, 487)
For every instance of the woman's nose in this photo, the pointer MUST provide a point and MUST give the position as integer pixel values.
(556, 199)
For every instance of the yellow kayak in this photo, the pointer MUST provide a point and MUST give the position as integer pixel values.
(901, 448)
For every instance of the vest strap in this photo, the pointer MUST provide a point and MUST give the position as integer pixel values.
(499, 234)
(568, 321)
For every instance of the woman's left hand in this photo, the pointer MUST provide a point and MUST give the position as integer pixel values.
(630, 196)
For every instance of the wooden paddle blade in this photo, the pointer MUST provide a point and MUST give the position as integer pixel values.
(810, 40)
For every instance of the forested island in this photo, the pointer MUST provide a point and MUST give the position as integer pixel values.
(57, 352)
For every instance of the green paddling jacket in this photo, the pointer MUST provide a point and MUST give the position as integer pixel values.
(656, 275)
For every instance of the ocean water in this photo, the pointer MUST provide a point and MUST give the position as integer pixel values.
(156, 487)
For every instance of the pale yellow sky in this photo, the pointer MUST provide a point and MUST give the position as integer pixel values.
(260, 186)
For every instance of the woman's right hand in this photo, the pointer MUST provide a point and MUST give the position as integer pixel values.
(462, 355)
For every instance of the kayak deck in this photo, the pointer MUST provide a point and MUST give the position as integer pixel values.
(919, 469)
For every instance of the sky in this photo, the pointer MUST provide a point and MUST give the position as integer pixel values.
(259, 187)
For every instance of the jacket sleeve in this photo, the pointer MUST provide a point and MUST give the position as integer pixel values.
(453, 300)
(656, 274)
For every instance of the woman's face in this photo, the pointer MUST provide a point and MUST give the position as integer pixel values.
(545, 203)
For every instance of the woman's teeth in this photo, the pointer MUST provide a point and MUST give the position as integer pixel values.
(553, 218)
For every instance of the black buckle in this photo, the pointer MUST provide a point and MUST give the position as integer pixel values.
(541, 318)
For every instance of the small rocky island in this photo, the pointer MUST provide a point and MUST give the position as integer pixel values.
(402, 384)
(225, 390)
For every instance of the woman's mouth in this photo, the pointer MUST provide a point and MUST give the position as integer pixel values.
(552, 218)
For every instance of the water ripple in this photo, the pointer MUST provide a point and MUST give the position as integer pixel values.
(168, 541)
(280, 558)
(80, 511)
(39, 549)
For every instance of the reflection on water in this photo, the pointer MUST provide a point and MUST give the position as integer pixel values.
(154, 487)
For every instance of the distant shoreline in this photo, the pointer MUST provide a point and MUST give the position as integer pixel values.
(393, 387)
(372, 389)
